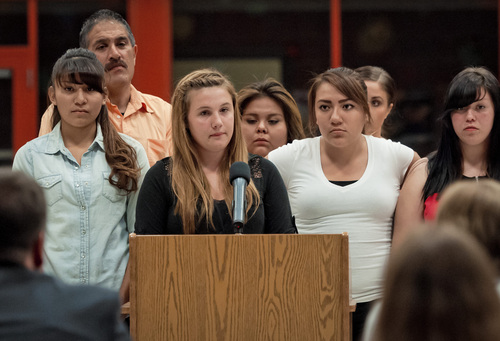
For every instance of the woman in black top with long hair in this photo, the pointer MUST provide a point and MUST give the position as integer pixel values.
(469, 147)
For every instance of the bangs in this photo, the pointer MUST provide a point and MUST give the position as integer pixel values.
(351, 87)
(91, 80)
(464, 95)
(79, 71)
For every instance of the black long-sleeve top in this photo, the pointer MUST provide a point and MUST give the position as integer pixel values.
(156, 203)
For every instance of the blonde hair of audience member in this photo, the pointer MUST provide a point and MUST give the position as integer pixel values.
(440, 285)
(81, 66)
(256, 125)
(474, 207)
(381, 92)
(189, 181)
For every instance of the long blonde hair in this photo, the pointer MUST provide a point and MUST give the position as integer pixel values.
(189, 183)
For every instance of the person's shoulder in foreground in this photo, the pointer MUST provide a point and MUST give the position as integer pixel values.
(35, 306)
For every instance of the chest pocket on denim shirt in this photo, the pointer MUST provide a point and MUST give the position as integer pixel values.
(111, 192)
(52, 186)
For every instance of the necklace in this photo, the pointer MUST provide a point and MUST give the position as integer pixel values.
(476, 177)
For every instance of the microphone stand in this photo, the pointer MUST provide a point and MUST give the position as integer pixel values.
(239, 177)
(239, 192)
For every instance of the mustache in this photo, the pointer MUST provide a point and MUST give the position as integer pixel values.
(113, 64)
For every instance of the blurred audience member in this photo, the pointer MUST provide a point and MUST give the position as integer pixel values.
(440, 285)
(35, 306)
(474, 207)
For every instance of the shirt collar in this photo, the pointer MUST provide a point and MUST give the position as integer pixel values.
(55, 142)
(99, 139)
(137, 101)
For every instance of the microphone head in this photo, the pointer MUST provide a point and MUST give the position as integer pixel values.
(239, 169)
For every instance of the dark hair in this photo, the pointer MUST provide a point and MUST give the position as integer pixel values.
(345, 80)
(445, 166)
(440, 285)
(78, 66)
(82, 66)
(276, 91)
(97, 17)
(22, 213)
(379, 75)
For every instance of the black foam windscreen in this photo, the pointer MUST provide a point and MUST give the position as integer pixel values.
(239, 169)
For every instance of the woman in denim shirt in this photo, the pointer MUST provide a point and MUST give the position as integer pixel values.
(90, 174)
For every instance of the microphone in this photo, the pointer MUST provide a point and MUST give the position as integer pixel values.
(239, 176)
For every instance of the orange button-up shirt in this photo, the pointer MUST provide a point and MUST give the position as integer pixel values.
(147, 119)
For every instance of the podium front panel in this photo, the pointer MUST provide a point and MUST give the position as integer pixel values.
(239, 287)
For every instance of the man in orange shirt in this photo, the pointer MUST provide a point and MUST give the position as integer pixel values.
(144, 117)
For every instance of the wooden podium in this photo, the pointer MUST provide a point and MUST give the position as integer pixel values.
(239, 287)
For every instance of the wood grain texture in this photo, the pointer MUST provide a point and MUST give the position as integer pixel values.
(240, 287)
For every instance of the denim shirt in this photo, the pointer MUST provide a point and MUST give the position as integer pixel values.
(88, 219)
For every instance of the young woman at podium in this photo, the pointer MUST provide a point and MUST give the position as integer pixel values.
(190, 191)
(344, 181)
